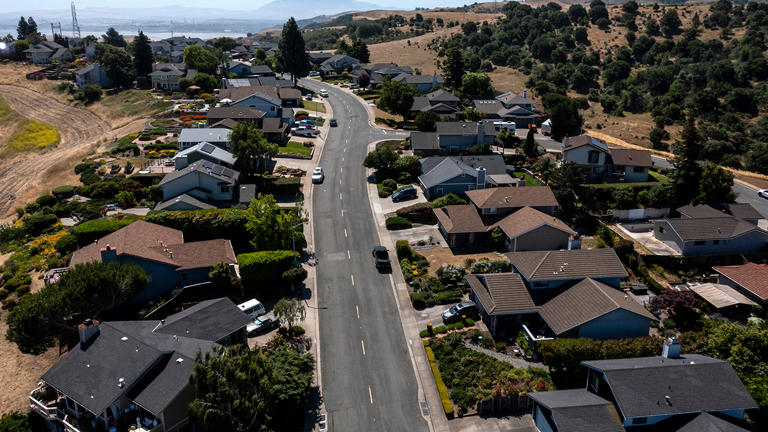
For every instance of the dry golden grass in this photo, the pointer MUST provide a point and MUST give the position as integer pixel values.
(440, 256)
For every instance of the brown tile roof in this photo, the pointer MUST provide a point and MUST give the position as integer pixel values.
(460, 219)
(568, 264)
(273, 125)
(630, 157)
(502, 293)
(135, 239)
(235, 113)
(161, 244)
(585, 301)
(750, 276)
(289, 93)
(582, 140)
(526, 219)
(532, 196)
(226, 123)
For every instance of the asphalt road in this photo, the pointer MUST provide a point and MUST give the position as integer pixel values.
(368, 383)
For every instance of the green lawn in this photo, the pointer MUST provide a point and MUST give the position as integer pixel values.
(313, 106)
(529, 180)
(295, 148)
(659, 177)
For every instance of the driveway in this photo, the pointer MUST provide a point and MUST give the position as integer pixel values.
(367, 377)
(647, 239)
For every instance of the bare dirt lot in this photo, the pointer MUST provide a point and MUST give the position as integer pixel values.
(440, 256)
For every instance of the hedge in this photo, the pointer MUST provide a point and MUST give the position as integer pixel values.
(63, 192)
(265, 266)
(403, 250)
(441, 388)
(397, 222)
(207, 224)
(87, 232)
(46, 201)
(281, 186)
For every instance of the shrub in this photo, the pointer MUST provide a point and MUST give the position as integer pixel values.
(294, 275)
(281, 186)
(66, 244)
(450, 199)
(423, 333)
(297, 331)
(403, 250)
(88, 94)
(4, 293)
(390, 184)
(383, 190)
(265, 266)
(207, 224)
(501, 346)
(441, 388)
(397, 222)
(63, 192)
(23, 290)
(448, 296)
(37, 223)
(46, 201)
(421, 300)
(87, 232)
(440, 330)
(17, 281)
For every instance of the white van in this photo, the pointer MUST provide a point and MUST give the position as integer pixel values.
(546, 127)
(253, 308)
(509, 126)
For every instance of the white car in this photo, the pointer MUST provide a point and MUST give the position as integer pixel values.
(317, 175)
(763, 193)
(304, 131)
(323, 93)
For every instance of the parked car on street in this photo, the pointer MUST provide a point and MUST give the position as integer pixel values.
(406, 193)
(318, 175)
(262, 324)
(314, 73)
(763, 193)
(253, 308)
(454, 314)
(381, 257)
(323, 93)
(333, 122)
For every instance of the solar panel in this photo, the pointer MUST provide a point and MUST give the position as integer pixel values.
(228, 172)
(207, 148)
(208, 164)
(218, 169)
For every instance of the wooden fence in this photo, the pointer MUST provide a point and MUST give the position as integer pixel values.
(505, 404)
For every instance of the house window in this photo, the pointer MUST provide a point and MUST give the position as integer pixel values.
(594, 157)
(638, 169)
(272, 108)
(661, 230)
(225, 188)
(639, 420)
(699, 243)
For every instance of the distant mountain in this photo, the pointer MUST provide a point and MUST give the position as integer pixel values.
(299, 9)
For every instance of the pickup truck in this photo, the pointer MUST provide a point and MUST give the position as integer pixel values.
(303, 131)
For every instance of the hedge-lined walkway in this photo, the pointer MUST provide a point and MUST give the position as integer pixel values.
(516, 362)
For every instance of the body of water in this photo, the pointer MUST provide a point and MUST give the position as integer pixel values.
(129, 33)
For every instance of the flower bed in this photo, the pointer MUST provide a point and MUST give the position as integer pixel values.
(192, 117)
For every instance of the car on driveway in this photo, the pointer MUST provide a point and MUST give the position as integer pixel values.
(455, 312)
(763, 193)
(333, 122)
(262, 324)
(308, 97)
(303, 131)
(406, 193)
(317, 175)
(381, 257)
(306, 122)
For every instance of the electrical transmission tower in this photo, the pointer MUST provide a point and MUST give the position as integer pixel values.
(75, 25)
(54, 28)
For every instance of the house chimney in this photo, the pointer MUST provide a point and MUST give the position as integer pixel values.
(480, 133)
(480, 184)
(525, 94)
(108, 254)
(87, 331)
(671, 348)
(567, 141)
(574, 242)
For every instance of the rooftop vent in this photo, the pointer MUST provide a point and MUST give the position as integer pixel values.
(120, 383)
(669, 402)
(124, 338)
(179, 360)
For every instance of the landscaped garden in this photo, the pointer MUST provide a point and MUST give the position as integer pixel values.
(164, 122)
(529, 180)
(465, 377)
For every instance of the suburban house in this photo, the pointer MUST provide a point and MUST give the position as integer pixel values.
(161, 251)
(675, 393)
(524, 230)
(503, 200)
(337, 64)
(726, 299)
(204, 151)
(166, 76)
(203, 180)
(217, 114)
(453, 137)
(261, 70)
(238, 68)
(266, 81)
(423, 84)
(317, 58)
(47, 52)
(495, 110)
(444, 175)
(440, 102)
(160, 48)
(193, 136)
(719, 235)
(750, 279)
(92, 74)
(587, 309)
(510, 100)
(182, 202)
(126, 373)
(601, 163)
(550, 269)
(264, 98)
(741, 211)
(378, 72)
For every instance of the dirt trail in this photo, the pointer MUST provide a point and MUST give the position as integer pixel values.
(26, 174)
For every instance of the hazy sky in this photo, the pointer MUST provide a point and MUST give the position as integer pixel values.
(230, 4)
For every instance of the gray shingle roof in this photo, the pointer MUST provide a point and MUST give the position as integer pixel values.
(184, 198)
(510, 99)
(737, 210)
(443, 96)
(204, 167)
(586, 301)
(579, 411)
(209, 150)
(445, 170)
(693, 382)
(160, 386)
(198, 135)
(568, 264)
(420, 103)
(493, 164)
(238, 113)
(630, 157)
(488, 106)
(424, 141)
(457, 128)
(712, 228)
(706, 422)
(217, 314)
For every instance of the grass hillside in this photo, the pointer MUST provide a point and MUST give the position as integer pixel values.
(18, 133)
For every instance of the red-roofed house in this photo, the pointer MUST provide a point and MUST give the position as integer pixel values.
(750, 279)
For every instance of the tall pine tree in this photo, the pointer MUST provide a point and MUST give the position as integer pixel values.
(21, 29)
(293, 55)
(142, 56)
(688, 171)
(114, 38)
(453, 68)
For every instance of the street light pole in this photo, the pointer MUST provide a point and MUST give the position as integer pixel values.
(293, 242)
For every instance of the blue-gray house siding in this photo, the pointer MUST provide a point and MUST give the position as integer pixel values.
(614, 325)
